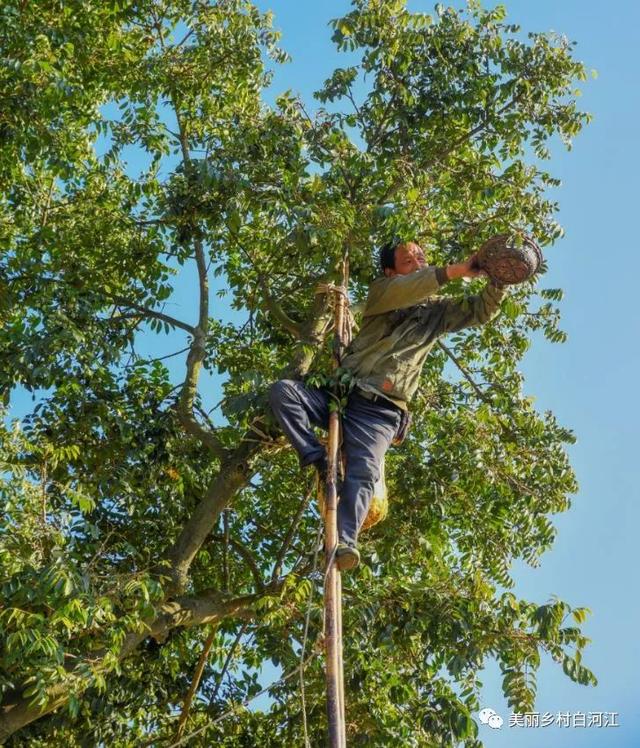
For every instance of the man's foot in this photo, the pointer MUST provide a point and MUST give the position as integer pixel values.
(347, 556)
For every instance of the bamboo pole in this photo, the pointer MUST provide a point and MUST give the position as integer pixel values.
(333, 586)
(331, 601)
(340, 661)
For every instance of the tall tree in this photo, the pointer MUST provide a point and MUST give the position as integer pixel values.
(139, 158)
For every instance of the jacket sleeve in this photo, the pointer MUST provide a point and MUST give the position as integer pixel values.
(473, 310)
(403, 291)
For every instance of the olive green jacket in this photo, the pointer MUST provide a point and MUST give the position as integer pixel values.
(402, 320)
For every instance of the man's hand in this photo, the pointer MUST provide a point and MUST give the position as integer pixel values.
(467, 269)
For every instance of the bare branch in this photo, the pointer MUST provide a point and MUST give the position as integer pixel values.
(184, 38)
(162, 358)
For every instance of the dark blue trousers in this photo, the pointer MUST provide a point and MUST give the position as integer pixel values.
(368, 429)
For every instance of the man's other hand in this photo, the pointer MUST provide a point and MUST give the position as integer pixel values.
(467, 269)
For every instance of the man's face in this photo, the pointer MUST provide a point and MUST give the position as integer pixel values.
(408, 257)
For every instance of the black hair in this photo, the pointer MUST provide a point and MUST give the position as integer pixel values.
(387, 254)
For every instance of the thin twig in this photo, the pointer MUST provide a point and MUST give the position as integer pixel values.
(225, 550)
(247, 701)
(160, 358)
(464, 372)
(145, 311)
(227, 662)
(195, 682)
(289, 536)
(246, 556)
(481, 395)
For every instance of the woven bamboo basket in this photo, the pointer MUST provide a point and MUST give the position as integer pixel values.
(507, 263)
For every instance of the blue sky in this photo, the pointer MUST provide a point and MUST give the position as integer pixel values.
(589, 382)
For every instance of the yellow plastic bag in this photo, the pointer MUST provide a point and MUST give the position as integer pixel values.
(379, 507)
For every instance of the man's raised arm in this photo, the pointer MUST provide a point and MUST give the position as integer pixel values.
(403, 291)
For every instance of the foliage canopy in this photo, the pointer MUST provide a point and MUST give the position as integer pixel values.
(135, 525)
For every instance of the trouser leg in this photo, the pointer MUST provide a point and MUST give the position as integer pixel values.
(298, 408)
(368, 429)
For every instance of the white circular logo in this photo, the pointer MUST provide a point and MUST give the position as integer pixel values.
(485, 714)
(495, 721)
(489, 717)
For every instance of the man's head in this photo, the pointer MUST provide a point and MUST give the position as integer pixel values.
(401, 258)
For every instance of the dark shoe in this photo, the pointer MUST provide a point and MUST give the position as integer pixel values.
(347, 556)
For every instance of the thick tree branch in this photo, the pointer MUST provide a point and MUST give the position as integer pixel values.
(209, 608)
(225, 551)
(313, 335)
(188, 393)
(236, 467)
(235, 471)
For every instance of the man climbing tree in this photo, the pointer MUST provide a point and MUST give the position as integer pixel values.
(401, 323)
